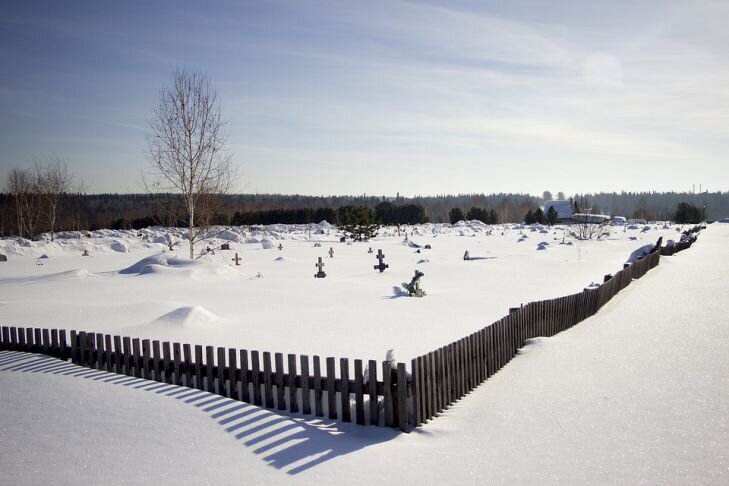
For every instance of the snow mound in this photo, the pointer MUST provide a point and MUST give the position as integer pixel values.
(267, 244)
(152, 264)
(119, 246)
(280, 259)
(193, 316)
(639, 253)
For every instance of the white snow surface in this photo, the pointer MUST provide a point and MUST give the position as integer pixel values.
(638, 394)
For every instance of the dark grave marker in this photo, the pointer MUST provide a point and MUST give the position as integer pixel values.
(381, 266)
(3, 258)
(236, 259)
(331, 252)
(320, 273)
(225, 246)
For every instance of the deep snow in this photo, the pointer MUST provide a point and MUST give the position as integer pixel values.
(638, 394)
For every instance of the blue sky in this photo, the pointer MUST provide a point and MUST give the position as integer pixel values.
(381, 97)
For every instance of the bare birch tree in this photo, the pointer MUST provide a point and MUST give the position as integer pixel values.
(22, 186)
(187, 150)
(54, 180)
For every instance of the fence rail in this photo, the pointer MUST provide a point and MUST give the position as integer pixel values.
(379, 394)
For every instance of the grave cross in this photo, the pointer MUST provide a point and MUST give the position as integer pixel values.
(236, 259)
(320, 273)
(280, 246)
(331, 252)
(382, 265)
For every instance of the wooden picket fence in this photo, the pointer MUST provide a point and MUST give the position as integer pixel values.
(296, 384)
(398, 397)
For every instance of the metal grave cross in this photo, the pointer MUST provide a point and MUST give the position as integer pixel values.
(382, 265)
(331, 252)
(236, 259)
(320, 273)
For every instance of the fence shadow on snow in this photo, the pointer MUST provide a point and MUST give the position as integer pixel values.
(291, 444)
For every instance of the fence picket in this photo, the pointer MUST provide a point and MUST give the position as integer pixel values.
(293, 401)
(305, 391)
(358, 393)
(331, 388)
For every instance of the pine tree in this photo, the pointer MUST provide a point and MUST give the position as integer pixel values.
(539, 216)
(551, 216)
(359, 223)
(529, 218)
(455, 215)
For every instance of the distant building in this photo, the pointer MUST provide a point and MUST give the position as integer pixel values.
(590, 218)
(563, 208)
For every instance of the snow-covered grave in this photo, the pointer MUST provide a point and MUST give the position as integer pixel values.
(636, 394)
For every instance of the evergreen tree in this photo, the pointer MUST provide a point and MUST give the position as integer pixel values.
(539, 216)
(359, 223)
(687, 214)
(551, 216)
(529, 218)
(455, 215)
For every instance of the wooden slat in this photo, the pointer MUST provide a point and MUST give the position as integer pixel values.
(221, 372)
(416, 392)
(167, 362)
(256, 378)
(402, 397)
(387, 397)
(109, 353)
(81, 346)
(268, 380)
(146, 360)
(372, 391)
(305, 390)
(136, 357)
(244, 381)
(90, 349)
(46, 337)
(318, 394)
(293, 400)
(62, 345)
(199, 381)
(331, 388)
(209, 369)
(279, 377)
(14, 339)
(187, 352)
(176, 361)
(233, 374)
(100, 352)
(118, 355)
(358, 393)
(157, 361)
(21, 340)
(127, 344)
(344, 393)
(55, 347)
(37, 341)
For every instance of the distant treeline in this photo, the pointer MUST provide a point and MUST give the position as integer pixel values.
(96, 211)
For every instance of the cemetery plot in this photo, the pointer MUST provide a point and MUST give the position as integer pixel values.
(223, 299)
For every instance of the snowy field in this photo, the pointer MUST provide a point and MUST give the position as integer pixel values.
(637, 394)
(132, 284)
